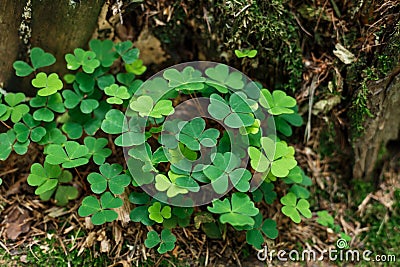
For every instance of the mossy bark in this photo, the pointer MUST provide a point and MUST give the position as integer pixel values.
(384, 125)
(57, 27)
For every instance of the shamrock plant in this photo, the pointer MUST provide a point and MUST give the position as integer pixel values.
(231, 136)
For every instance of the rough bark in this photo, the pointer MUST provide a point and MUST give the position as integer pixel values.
(10, 20)
(56, 26)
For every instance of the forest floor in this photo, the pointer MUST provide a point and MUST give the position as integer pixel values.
(41, 234)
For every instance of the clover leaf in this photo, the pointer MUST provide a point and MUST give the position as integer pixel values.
(15, 109)
(101, 210)
(104, 51)
(189, 79)
(48, 85)
(30, 128)
(144, 153)
(167, 241)
(225, 168)
(86, 59)
(144, 105)
(71, 155)
(39, 59)
(53, 136)
(140, 177)
(275, 155)
(132, 131)
(246, 53)
(125, 50)
(277, 103)
(8, 143)
(73, 99)
(158, 214)
(266, 191)
(325, 219)
(221, 79)
(47, 177)
(110, 176)
(194, 136)
(136, 67)
(97, 149)
(292, 207)
(64, 193)
(140, 213)
(237, 212)
(163, 183)
(236, 114)
(255, 236)
(48, 105)
(283, 122)
(117, 93)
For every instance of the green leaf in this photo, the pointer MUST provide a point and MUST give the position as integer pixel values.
(144, 106)
(73, 130)
(136, 67)
(48, 85)
(86, 59)
(163, 183)
(65, 194)
(189, 79)
(22, 68)
(15, 109)
(8, 143)
(110, 176)
(70, 156)
(194, 136)
(152, 240)
(221, 79)
(90, 205)
(103, 50)
(139, 176)
(292, 208)
(245, 53)
(141, 214)
(325, 219)
(167, 241)
(277, 103)
(237, 212)
(125, 50)
(97, 149)
(117, 93)
(269, 228)
(100, 210)
(30, 128)
(157, 214)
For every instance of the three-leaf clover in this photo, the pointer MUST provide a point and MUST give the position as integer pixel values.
(73, 99)
(8, 143)
(268, 228)
(222, 80)
(158, 214)
(110, 176)
(292, 207)
(117, 93)
(97, 149)
(140, 213)
(237, 113)
(226, 167)
(163, 183)
(132, 131)
(39, 59)
(125, 50)
(48, 85)
(194, 136)
(71, 155)
(140, 177)
(144, 105)
(237, 212)
(167, 240)
(275, 155)
(30, 128)
(14, 108)
(136, 67)
(47, 106)
(86, 59)
(189, 79)
(47, 177)
(277, 103)
(101, 210)
(246, 53)
(104, 51)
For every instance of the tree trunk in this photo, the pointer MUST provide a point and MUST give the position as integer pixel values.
(57, 27)
(384, 126)
(10, 44)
